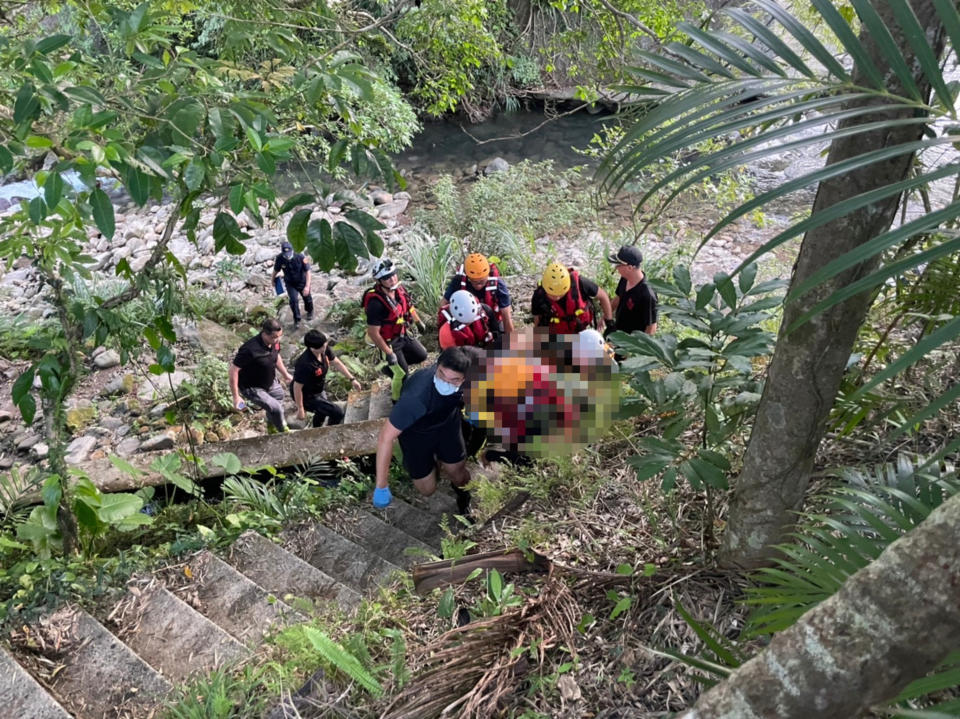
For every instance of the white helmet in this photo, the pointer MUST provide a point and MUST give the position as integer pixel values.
(383, 268)
(465, 307)
(589, 345)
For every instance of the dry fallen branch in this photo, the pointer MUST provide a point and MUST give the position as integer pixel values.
(427, 577)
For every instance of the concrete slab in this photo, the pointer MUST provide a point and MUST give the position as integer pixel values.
(358, 407)
(381, 402)
(282, 573)
(387, 541)
(177, 640)
(22, 696)
(101, 676)
(235, 603)
(339, 557)
(414, 521)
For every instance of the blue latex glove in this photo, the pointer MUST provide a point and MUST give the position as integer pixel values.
(382, 497)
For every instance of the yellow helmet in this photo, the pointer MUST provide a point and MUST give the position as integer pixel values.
(476, 266)
(556, 279)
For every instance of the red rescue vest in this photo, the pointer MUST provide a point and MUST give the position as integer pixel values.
(489, 289)
(398, 311)
(475, 334)
(569, 315)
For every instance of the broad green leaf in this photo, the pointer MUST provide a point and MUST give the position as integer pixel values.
(38, 142)
(266, 163)
(53, 189)
(228, 461)
(446, 606)
(37, 209)
(227, 234)
(186, 118)
(51, 43)
(297, 230)
(302, 198)
(194, 174)
(124, 466)
(26, 107)
(6, 159)
(337, 153)
(137, 184)
(320, 244)
(235, 198)
(353, 241)
(103, 212)
(114, 507)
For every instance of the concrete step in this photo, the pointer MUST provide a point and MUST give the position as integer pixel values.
(440, 502)
(176, 639)
(339, 557)
(233, 602)
(99, 676)
(282, 573)
(381, 402)
(358, 407)
(414, 521)
(22, 696)
(385, 540)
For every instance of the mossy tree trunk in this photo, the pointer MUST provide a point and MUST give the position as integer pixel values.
(890, 623)
(808, 363)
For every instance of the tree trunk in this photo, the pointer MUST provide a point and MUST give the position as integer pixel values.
(890, 623)
(808, 363)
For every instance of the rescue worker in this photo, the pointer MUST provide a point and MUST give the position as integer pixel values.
(389, 310)
(426, 423)
(635, 304)
(464, 322)
(253, 375)
(310, 375)
(561, 304)
(295, 269)
(482, 279)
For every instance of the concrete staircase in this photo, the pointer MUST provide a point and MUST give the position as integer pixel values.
(208, 613)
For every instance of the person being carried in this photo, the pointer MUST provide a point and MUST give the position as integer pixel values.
(634, 303)
(561, 303)
(389, 309)
(253, 375)
(426, 422)
(481, 278)
(295, 269)
(309, 376)
(464, 322)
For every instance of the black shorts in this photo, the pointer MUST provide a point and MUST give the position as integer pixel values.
(422, 450)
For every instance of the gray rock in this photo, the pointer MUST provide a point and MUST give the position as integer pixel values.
(157, 442)
(161, 386)
(27, 442)
(497, 164)
(40, 450)
(80, 448)
(107, 359)
(402, 195)
(6, 462)
(127, 447)
(381, 197)
(5, 416)
(120, 384)
(392, 209)
(112, 423)
(159, 409)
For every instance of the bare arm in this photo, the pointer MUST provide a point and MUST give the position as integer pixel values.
(342, 368)
(651, 328)
(604, 299)
(306, 285)
(507, 314)
(298, 400)
(388, 435)
(235, 383)
(287, 377)
(373, 332)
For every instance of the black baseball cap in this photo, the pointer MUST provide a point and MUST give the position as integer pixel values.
(626, 255)
(286, 246)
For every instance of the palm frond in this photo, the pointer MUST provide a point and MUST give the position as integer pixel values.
(254, 495)
(15, 487)
(865, 514)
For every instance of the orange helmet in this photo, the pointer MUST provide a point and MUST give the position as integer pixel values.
(476, 266)
(556, 279)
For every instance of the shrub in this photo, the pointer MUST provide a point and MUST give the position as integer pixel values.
(209, 387)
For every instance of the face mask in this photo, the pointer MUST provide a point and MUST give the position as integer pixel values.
(444, 388)
(288, 254)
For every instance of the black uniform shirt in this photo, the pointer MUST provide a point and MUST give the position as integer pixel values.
(294, 270)
(421, 409)
(257, 362)
(311, 372)
(637, 309)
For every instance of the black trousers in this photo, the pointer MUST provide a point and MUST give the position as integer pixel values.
(322, 408)
(408, 351)
(294, 294)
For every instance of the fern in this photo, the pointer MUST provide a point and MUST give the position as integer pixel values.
(336, 655)
(14, 488)
(253, 494)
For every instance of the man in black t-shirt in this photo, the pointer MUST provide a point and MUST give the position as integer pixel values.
(635, 304)
(296, 275)
(309, 376)
(426, 421)
(253, 374)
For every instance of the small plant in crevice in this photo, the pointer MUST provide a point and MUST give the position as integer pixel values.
(700, 389)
